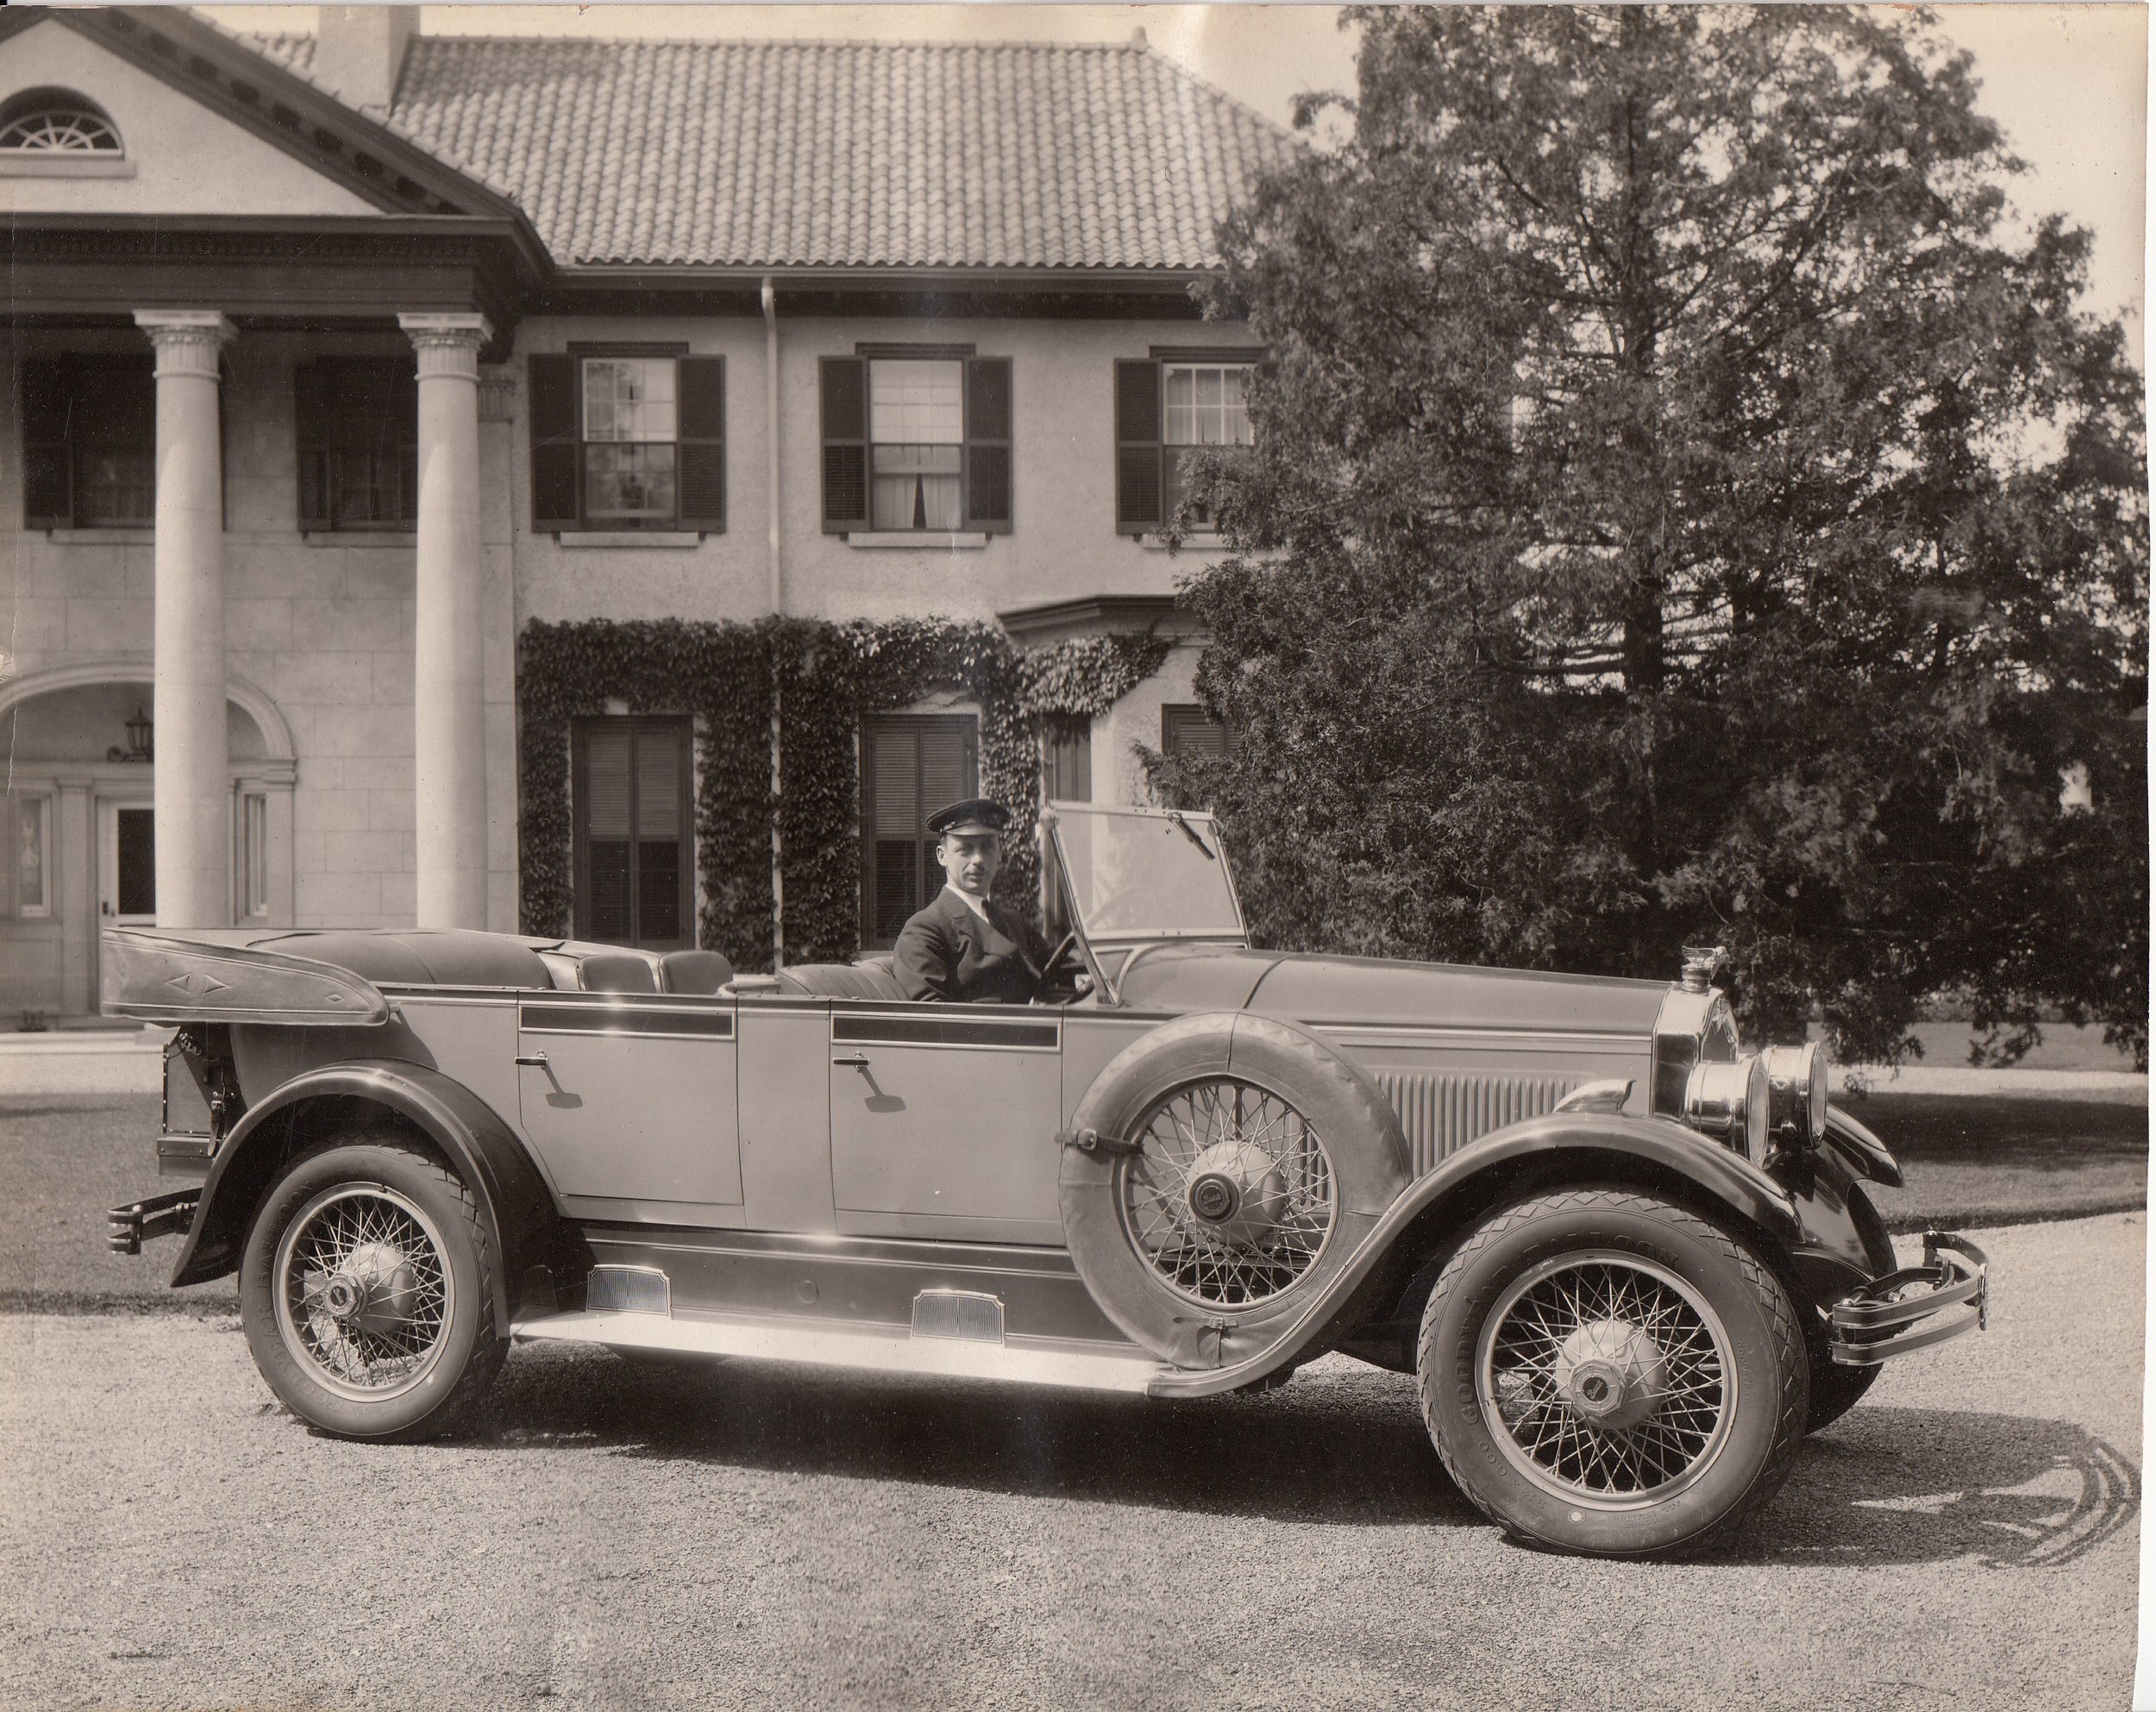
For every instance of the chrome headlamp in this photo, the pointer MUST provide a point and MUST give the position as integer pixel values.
(1796, 1092)
(1731, 1102)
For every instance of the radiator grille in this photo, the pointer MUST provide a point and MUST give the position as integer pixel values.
(1443, 1113)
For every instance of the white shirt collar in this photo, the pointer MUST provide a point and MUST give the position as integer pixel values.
(978, 905)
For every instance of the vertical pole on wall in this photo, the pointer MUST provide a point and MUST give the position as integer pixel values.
(770, 300)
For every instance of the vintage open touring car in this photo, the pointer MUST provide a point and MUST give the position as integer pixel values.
(1628, 1262)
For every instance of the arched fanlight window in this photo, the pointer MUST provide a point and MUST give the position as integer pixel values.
(55, 122)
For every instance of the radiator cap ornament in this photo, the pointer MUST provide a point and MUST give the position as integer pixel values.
(1701, 964)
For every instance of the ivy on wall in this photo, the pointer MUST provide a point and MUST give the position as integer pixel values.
(826, 679)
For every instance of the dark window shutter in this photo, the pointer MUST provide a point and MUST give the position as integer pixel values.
(1188, 729)
(314, 402)
(988, 444)
(844, 389)
(701, 388)
(47, 501)
(1137, 446)
(553, 442)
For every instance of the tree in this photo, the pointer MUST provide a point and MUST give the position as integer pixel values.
(1686, 506)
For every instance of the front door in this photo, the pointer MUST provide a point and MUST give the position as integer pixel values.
(630, 1101)
(127, 864)
(943, 1121)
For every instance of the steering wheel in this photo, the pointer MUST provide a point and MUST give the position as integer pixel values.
(1063, 948)
(1054, 962)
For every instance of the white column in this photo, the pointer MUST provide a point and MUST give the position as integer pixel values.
(448, 706)
(193, 790)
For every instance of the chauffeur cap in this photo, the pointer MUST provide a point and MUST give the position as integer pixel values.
(976, 814)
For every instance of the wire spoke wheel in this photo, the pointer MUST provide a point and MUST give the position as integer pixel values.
(363, 1292)
(1232, 1197)
(1606, 1379)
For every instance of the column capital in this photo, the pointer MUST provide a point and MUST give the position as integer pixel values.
(188, 341)
(448, 345)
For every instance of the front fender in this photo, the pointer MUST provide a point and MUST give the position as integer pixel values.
(515, 1204)
(1581, 1140)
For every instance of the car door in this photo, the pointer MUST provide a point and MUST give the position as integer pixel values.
(630, 1101)
(943, 1121)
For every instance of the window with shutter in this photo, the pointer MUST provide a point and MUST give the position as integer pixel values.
(1188, 729)
(843, 390)
(357, 426)
(911, 766)
(634, 872)
(1168, 406)
(90, 443)
(628, 439)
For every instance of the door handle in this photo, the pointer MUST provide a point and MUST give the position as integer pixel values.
(857, 1062)
(536, 1059)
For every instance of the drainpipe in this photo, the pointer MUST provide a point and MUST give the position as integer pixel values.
(770, 300)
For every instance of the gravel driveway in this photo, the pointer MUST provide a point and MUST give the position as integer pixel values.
(613, 1536)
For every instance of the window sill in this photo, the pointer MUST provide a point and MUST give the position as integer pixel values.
(57, 166)
(629, 538)
(1196, 539)
(359, 537)
(116, 534)
(920, 540)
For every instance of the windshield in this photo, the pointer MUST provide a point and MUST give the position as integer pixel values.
(1145, 873)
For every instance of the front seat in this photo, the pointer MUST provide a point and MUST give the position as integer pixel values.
(840, 980)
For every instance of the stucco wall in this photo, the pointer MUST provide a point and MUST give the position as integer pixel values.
(1063, 542)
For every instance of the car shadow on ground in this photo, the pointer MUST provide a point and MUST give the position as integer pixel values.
(1882, 1486)
(1346, 1450)
(1907, 1485)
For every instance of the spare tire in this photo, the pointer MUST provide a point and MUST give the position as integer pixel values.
(1237, 1164)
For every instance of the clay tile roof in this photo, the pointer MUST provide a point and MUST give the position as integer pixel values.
(836, 154)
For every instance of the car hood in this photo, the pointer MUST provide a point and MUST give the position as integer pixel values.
(1335, 992)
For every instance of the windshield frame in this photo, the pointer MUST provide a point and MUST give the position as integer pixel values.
(1197, 821)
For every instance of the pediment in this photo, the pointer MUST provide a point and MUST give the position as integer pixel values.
(180, 156)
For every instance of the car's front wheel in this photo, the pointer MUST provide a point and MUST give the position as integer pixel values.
(1608, 1373)
(367, 1291)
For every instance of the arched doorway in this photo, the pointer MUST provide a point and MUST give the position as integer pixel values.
(76, 812)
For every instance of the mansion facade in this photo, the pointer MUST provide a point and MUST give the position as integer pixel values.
(338, 366)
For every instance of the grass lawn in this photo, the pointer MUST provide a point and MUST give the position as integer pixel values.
(1970, 1162)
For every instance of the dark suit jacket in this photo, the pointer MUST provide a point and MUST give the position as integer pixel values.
(947, 952)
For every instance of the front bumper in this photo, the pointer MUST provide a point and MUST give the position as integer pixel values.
(161, 1215)
(1914, 1308)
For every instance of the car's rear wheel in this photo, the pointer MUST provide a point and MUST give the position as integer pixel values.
(367, 1291)
(1608, 1373)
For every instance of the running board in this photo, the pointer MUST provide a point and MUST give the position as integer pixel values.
(863, 1349)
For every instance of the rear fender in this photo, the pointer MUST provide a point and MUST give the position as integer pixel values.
(514, 1203)
(1571, 1147)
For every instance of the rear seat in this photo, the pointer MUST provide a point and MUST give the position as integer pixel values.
(871, 979)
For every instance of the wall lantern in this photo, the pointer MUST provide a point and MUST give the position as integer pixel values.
(139, 732)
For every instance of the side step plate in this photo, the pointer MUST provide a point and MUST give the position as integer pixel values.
(865, 1349)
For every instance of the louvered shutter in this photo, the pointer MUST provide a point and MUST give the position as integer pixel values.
(553, 442)
(844, 392)
(988, 444)
(1137, 446)
(314, 399)
(47, 462)
(701, 389)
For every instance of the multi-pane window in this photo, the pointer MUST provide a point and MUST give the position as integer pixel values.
(916, 436)
(88, 442)
(251, 850)
(1166, 412)
(630, 425)
(55, 122)
(627, 440)
(33, 856)
(631, 788)
(358, 428)
(915, 442)
(911, 766)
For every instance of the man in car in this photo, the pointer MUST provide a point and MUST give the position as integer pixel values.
(960, 946)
